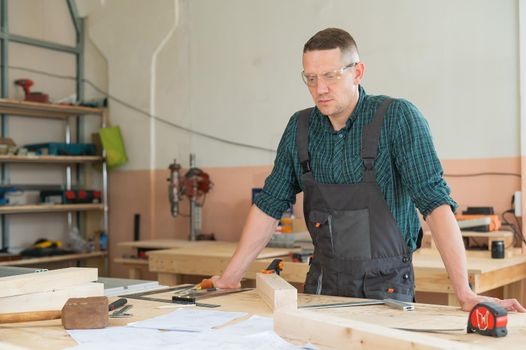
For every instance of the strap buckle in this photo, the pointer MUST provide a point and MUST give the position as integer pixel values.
(305, 166)
(368, 163)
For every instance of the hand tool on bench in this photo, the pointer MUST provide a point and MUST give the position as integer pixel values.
(117, 304)
(389, 302)
(121, 313)
(488, 319)
(276, 266)
(77, 313)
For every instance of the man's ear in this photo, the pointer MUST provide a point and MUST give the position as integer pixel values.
(359, 70)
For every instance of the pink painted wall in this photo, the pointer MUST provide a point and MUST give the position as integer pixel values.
(227, 205)
(487, 190)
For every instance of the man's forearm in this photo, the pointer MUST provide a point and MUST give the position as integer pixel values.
(448, 240)
(256, 233)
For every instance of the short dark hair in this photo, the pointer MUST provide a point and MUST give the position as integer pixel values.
(331, 38)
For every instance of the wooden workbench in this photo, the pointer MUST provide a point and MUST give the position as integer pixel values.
(484, 273)
(47, 335)
(171, 264)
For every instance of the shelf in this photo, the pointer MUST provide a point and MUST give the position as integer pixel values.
(49, 159)
(51, 259)
(48, 208)
(44, 110)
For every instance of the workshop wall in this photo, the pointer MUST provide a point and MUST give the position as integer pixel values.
(231, 69)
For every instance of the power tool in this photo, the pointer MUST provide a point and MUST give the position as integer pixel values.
(195, 184)
(31, 96)
(488, 319)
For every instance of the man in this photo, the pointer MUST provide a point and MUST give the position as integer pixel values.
(364, 163)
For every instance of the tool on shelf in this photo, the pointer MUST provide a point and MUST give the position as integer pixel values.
(488, 319)
(33, 96)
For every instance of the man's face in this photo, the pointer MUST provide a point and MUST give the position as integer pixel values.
(333, 86)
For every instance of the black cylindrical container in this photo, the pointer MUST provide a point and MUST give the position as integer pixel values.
(497, 249)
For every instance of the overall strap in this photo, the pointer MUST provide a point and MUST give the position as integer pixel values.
(302, 139)
(371, 140)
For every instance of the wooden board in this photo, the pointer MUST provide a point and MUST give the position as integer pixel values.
(46, 281)
(333, 332)
(48, 208)
(165, 244)
(49, 159)
(51, 300)
(220, 250)
(277, 293)
(52, 259)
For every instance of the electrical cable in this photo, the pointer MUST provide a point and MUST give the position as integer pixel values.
(151, 116)
(516, 227)
(483, 174)
(208, 136)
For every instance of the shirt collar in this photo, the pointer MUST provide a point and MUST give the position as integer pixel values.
(357, 110)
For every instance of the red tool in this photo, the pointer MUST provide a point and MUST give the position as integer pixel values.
(488, 319)
(31, 96)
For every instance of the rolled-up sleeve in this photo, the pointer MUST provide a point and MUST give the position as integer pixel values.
(417, 161)
(281, 186)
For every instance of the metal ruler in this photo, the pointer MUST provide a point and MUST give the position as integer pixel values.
(389, 302)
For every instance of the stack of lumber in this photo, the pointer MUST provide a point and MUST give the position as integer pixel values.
(47, 290)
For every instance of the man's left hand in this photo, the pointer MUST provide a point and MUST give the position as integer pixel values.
(508, 304)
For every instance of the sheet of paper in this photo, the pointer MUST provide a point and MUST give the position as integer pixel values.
(189, 320)
(260, 341)
(129, 336)
(253, 325)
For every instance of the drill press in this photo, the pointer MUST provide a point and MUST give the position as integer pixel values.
(195, 184)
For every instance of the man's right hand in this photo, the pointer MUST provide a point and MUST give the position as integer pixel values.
(221, 283)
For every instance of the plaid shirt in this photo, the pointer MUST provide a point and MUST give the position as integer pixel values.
(408, 170)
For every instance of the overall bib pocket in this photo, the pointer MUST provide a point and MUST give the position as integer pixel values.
(395, 284)
(342, 234)
(320, 227)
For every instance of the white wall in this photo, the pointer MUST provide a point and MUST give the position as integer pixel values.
(457, 60)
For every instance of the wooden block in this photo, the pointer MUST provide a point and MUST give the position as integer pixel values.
(46, 281)
(332, 332)
(85, 313)
(277, 293)
(52, 300)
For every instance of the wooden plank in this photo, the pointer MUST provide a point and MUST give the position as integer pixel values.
(49, 159)
(221, 250)
(46, 281)
(44, 110)
(48, 208)
(50, 300)
(332, 332)
(52, 259)
(277, 293)
(165, 244)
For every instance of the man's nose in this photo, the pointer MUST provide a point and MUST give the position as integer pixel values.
(322, 87)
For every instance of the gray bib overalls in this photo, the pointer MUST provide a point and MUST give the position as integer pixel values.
(358, 248)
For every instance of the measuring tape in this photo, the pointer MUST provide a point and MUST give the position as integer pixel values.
(488, 319)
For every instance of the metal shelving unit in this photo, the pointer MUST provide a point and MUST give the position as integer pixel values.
(62, 112)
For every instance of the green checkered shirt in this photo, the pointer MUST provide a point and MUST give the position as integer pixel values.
(407, 168)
